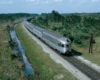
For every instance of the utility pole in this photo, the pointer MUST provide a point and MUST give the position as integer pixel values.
(91, 42)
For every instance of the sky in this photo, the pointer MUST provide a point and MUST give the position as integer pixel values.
(46, 6)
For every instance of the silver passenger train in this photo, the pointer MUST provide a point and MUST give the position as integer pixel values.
(56, 41)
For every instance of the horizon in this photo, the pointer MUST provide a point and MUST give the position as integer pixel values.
(46, 6)
(51, 12)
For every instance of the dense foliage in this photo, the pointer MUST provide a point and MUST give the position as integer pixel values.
(77, 26)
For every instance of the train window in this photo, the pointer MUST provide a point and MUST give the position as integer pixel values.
(60, 44)
(67, 45)
(67, 40)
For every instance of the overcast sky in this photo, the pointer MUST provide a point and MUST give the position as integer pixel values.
(46, 6)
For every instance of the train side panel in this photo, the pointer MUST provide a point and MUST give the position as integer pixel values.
(54, 43)
(28, 26)
(34, 29)
(37, 33)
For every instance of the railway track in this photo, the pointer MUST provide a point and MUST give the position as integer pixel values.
(88, 71)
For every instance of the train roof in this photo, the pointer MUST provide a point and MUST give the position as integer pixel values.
(35, 27)
(56, 36)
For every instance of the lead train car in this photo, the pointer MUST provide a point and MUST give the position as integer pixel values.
(56, 41)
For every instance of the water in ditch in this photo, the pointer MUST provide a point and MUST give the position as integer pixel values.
(28, 69)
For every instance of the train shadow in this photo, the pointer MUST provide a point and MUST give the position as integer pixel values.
(75, 53)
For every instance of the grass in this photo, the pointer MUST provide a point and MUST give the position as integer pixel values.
(95, 56)
(9, 70)
(45, 67)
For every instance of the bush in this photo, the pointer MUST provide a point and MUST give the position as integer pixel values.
(54, 28)
(11, 43)
(13, 56)
(8, 28)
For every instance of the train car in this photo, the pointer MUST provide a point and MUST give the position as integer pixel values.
(38, 31)
(28, 25)
(58, 42)
(54, 40)
(34, 29)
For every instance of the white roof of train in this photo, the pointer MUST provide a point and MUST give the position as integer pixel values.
(56, 36)
(35, 27)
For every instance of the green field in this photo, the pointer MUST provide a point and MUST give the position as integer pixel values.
(45, 67)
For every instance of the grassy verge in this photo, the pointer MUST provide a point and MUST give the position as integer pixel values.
(9, 70)
(45, 67)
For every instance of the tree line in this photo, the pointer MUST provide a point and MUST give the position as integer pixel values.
(14, 16)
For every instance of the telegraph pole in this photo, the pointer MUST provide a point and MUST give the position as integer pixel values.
(91, 42)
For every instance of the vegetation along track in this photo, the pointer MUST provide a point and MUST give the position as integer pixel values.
(91, 73)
